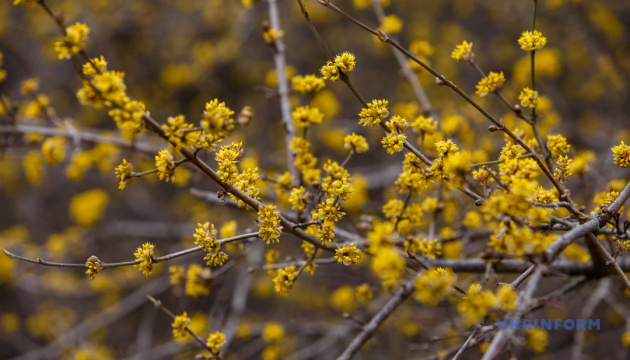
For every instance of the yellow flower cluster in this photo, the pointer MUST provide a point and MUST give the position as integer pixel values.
(215, 341)
(206, 236)
(298, 198)
(179, 325)
(272, 35)
(564, 168)
(304, 161)
(344, 62)
(621, 154)
(477, 303)
(413, 179)
(424, 125)
(93, 266)
(217, 120)
(529, 98)
(491, 83)
(76, 36)
(356, 143)
(246, 183)
(537, 339)
(463, 52)
(283, 282)
(308, 84)
(176, 131)
(434, 285)
(145, 255)
(306, 116)
(197, 281)
(348, 254)
(53, 149)
(374, 113)
(532, 40)
(87, 207)
(124, 174)
(391, 24)
(520, 241)
(165, 164)
(388, 265)
(268, 223)
(226, 159)
(557, 145)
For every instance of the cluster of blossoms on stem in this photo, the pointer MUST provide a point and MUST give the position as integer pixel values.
(180, 326)
(529, 98)
(375, 112)
(306, 116)
(124, 173)
(348, 254)
(206, 236)
(491, 83)
(478, 303)
(215, 341)
(165, 164)
(532, 40)
(395, 139)
(308, 84)
(283, 282)
(227, 159)
(463, 52)
(356, 143)
(93, 266)
(76, 36)
(145, 255)
(268, 223)
(621, 154)
(434, 285)
(344, 62)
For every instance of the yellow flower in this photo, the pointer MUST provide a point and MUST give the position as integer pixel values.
(272, 35)
(538, 340)
(528, 97)
(463, 52)
(564, 168)
(53, 149)
(197, 281)
(283, 282)
(374, 113)
(75, 38)
(217, 120)
(391, 24)
(424, 124)
(179, 326)
(165, 164)
(393, 142)
(308, 84)
(176, 131)
(298, 198)
(342, 299)
(268, 223)
(356, 143)
(491, 83)
(87, 207)
(93, 266)
(95, 66)
(532, 40)
(476, 304)
(305, 116)
(145, 255)
(215, 341)
(557, 145)
(621, 154)
(273, 332)
(506, 298)
(625, 339)
(33, 167)
(124, 173)
(348, 254)
(226, 159)
(176, 275)
(434, 285)
(344, 62)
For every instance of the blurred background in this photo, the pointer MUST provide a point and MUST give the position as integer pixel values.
(178, 55)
